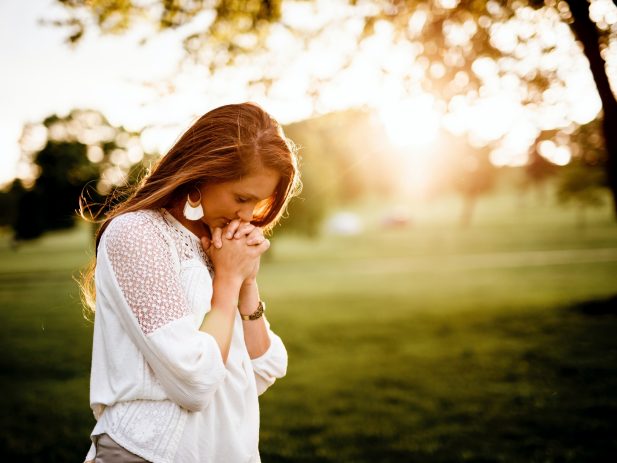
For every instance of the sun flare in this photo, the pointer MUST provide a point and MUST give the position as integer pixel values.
(411, 123)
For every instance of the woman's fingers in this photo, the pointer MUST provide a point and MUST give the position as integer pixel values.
(263, 246)
(255, 237)
(231, 228)
(244, 230)
(217, 238)
(238, 229)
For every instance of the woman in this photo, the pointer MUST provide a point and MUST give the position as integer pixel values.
(181, 348)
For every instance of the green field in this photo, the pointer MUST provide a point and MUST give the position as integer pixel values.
(431, 343)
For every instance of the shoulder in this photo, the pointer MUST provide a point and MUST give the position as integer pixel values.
(143, 217)
(134, 227)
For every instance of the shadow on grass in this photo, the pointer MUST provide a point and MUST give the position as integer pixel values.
(604, 306)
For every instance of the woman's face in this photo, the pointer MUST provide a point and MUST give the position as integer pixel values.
(224, 202)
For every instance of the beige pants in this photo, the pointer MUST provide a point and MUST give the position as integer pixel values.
(109, 451)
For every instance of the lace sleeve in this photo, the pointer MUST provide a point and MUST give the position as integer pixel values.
(143, 265)
(139, 281)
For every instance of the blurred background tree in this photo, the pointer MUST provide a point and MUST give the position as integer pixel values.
(345, 157)
(539, 170)
(583, 180)
(68, 156)
(456, 43)
(581, 185)
(459, 52)
(466, 170)
(8, 202)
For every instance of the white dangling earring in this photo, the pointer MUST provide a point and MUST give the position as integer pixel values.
(192, 209)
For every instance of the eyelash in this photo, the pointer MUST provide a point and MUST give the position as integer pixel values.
(241, 200)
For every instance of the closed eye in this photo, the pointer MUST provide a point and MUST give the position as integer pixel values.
(241, 200)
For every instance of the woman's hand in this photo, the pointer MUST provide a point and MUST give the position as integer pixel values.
(240, 237)
(236, 229)
(256, 238)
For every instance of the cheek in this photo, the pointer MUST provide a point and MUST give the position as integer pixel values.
(223, 207)
(219, 202)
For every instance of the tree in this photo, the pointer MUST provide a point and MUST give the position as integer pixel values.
(581, 185)
(438, 46)
(233, 27)
(66, 155)
(8, 203)
(343, 158)
(538, 169)
(582, 182)
(465, 169)
(454, 40)
(593, 43)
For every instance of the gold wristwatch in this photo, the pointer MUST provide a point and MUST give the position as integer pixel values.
(261, 308)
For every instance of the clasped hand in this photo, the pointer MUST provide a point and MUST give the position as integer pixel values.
(235, 250)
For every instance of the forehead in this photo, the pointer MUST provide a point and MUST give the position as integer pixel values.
(260, 184)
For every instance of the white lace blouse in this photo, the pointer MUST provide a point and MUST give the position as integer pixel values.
(158, 385)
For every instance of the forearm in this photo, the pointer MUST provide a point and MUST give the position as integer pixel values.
(219, 321)
(255, 332)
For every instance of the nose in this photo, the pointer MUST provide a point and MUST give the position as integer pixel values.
(246, 213)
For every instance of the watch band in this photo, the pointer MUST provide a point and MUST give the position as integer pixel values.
(261, 308)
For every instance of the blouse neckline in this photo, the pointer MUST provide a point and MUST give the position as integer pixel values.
(179, 225)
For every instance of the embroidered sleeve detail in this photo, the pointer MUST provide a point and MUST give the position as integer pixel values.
(143, 265)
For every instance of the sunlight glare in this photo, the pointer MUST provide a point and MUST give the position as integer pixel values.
(448, 4)
(559, 155)
(411, 123)
(417, 21)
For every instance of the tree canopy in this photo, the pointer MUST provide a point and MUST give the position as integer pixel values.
(81, 153)
(457, 50)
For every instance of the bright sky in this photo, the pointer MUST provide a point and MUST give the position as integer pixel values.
(42, 76)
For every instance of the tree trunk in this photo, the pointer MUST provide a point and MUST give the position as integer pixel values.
(469, 202)
(581, 217)
(585, 30)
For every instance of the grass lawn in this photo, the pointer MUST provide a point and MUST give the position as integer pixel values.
(431, 343)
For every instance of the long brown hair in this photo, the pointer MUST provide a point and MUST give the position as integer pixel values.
(223, 145)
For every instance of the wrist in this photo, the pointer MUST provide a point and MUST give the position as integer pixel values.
(227, 280)
(249, 292)
(225, 292)
(256, 313)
